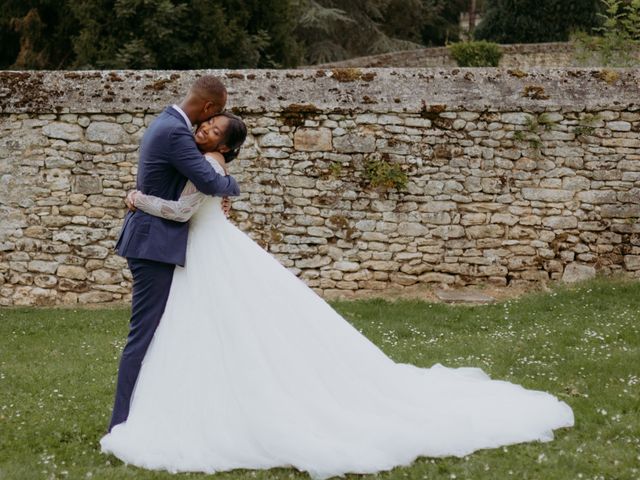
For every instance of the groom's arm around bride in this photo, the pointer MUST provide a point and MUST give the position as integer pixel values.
(168, 157)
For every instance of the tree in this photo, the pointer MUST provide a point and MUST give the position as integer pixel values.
(618, 42)
(331, 30)
(35, 34)
(185, 34)
(429, 22)
(165, 34)
(441, 21)
(531, 21)
(182, 34)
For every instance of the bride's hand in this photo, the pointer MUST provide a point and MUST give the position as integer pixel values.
(226, 206)
(130, 200)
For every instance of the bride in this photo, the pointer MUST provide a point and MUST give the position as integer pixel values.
(249, 368)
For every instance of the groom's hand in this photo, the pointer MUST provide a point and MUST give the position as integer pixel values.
(226, 205)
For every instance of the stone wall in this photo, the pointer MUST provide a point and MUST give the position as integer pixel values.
(511, 176)
(519, 55)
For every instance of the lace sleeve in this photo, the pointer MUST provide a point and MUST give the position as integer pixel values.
(180, 210)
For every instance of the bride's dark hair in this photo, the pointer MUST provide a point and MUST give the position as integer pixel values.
(234, 136)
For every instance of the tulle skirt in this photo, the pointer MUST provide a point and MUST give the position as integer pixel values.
(249, 368)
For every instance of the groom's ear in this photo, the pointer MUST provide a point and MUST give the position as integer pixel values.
(212, 108)
(208, 108)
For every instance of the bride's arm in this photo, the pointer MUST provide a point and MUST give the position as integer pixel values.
(180, 210)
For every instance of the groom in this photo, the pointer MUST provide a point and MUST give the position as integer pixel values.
(154, 246)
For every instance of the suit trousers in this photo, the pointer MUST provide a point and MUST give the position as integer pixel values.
(151, 285)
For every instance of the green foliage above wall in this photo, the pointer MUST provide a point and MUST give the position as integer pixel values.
(476, 54)
(533, 21)
(192, 34)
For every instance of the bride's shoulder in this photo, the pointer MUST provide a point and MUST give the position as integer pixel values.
(216, 159)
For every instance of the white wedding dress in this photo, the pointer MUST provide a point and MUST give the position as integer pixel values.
(249, 368)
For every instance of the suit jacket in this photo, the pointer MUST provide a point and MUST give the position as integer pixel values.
(168, 157)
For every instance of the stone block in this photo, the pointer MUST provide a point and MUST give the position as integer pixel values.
(345, 266)
(621, 142)
(435, 277)
(107, 132)
(107, 202)
(69, 285)
(21, 279)
(632, 262)
(93, 251)
(95, 297)
(313, 140)
(473, 219)
(620, 211)
(63, 131)
(372, 285)
(366, 225)
(577, 272)
(42, 266)
(73, 272)
(619, 126)
(86, 184)
(560, 222)
(547, 194)
(45, 281)
(412, 229)
(79, 235)
(504, 218)
(316, 261)
(535, 275)
(383, 205)
(597, 197)
(36, 296)
(448, 231)
(59, 162)
(439, 206)
(485, 231)
(576, 183)
(105, 277)
(415, 122)
(354, 143)
(459, 124)
(367, 118)
(403, 279)
(299, 181)
(491, 185)
(517, 118)
(382, 265)
(323, 232)
(273, 139)
(436, 218)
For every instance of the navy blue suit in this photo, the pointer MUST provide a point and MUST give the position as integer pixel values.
(152, 245)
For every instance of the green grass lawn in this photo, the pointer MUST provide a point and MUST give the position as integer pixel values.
(58, 367)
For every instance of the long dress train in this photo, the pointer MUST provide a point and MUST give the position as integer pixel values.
(249, 368)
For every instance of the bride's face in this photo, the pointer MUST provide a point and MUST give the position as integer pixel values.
(211, 133)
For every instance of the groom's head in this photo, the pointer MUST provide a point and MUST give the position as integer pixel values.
(207, 97)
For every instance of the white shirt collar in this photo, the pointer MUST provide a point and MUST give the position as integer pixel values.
(184, 115)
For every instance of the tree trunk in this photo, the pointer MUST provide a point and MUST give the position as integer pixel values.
(472, 16)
